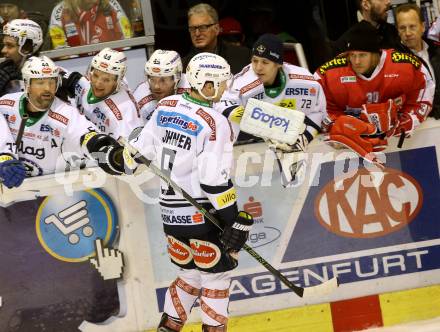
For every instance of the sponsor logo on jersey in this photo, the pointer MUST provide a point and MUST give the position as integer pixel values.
(300, 91)
(391, 75)
(11, 118)
(185, 220)
(259, 115)
(179, 122)
(179, 140)
(226, 198)
(115, 110)
(334, 63)
(145, 100)
(58, 117)
(348, 79)
(7, 102)
(398, 57)
(341, 205)
(48, 128)
(67, 226)
(301, 77)
(210, 121)
(168, 102)
(179, 252)
(250, 86)
(205, 254)
(287, 103)
(39, 153)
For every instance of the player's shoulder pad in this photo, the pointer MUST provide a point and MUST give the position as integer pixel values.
(9, 100)
(399, 57)
(218, 124)
(170, 101)
(339, 61)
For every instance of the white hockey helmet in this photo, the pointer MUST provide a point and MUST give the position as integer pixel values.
(163, 63)
(39, 67)
(207, 67)
(24, 30)
(111, 62)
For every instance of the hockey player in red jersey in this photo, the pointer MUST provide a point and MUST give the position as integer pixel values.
(373, 94)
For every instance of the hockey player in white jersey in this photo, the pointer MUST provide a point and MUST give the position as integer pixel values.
(163, 78)
(20, 40)
(268, 79)
(192, 142)
(103, 99)
(12, 170)
(48, 127)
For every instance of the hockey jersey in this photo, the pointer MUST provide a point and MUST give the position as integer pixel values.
(73, 27)
(116, 115)
(49, 141)
(145, 99)
(192, 143)
(398, 76)
(299, 91)
(6, 139)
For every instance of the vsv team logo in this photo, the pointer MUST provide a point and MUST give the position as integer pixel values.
(67, 227)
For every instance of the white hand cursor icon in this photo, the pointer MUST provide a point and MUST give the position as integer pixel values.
(108, 262)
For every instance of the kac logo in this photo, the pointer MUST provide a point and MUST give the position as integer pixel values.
(368, 205)
(67, 227)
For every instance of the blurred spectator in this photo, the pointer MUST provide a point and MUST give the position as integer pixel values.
(410, 25)
(434, 31)
(103, 99)
(373, 94)
(163, 78)
(204, 29)
(374, 13)
(10, 10)
(21, 39)
(230, 31)
(82, 22)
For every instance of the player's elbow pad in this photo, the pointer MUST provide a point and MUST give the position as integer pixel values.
(106, 151)
(224, 200)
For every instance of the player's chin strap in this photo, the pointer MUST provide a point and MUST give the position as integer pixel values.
(322, 289)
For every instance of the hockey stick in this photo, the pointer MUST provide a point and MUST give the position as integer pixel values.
(322, 289)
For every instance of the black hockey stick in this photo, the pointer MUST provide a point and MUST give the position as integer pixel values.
(322, 289)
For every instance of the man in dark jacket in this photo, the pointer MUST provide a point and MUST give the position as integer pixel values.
(410, 25)
(374, 12)
(203, 28)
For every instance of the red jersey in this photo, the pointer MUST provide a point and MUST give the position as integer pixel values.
(397, 75)
(88, 27)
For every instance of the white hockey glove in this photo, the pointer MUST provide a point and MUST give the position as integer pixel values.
(291, 159)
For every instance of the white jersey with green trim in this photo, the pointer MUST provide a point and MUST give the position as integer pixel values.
(5, 137)
(117, 115)
(191, 143)
(298, 90)
(145, 99)
(48, 141)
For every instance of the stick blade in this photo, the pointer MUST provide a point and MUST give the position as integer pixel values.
(322, 289)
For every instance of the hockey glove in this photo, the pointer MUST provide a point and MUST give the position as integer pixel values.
(357, 135)
(299, 146)
(69, 82)
(383, 115)
(235, 236)
(12, 172)
(8, 72)
(408, 122)
(106, 151)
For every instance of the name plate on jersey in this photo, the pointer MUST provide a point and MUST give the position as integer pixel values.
(273, 122)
